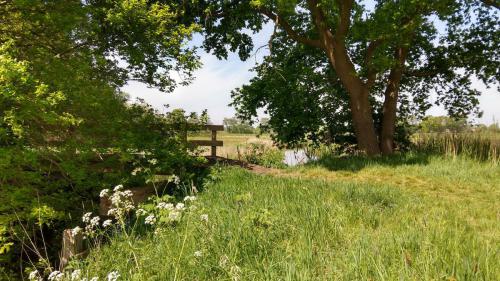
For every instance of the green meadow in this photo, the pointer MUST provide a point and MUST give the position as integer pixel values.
(405, 217)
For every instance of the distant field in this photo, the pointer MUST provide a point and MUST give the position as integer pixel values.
(232, 142)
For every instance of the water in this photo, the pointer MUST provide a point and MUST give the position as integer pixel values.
(296, 157)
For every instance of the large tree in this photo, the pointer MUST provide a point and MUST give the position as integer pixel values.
(378, 53)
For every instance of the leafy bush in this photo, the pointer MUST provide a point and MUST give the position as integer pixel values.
(264, 155)
(45, 190)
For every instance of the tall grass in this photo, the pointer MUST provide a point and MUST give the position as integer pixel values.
(482, 147)
(276, 228)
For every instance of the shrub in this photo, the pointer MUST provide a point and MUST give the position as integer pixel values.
(264, 155)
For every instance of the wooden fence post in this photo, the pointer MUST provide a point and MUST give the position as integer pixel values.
(214, 148)
(72, 246)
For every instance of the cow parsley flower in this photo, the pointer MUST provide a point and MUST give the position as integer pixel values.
(179, 206)
(175, 179)
(118, 187)
(153, 161)
(140, 212)
(94, 222)
(113, 276)
(75, 231)
(189, 198)
(86, 217)
(166, 206)
(107, 223)
(174, 216)
(198, 254)
(135, 171)
(151, 219)
(76, 275)
(127, 193)
(55, 276)
(34, 276)
(104, 193)
(204, 218)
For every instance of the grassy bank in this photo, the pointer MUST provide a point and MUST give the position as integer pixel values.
(402, 218)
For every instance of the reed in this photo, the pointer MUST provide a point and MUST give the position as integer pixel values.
(482, 147)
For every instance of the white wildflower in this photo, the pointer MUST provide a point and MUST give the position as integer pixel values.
(140, 212)
(204, 218)
(55, 276)
(118, 187)
(175, 179)
(136, 170)
(111, 212)
(189, 198)
(86, 217)
(94, 279)
(151, 219)
(113, 276)
(166, 206)
(198, 254)
(95, 221)
(104, 193)
(75, 231)
(107, 223)
(179, 206)
(127, 193)
(153, 161)
(76, 275)
(174, 216)
(34, 276)
(193, 207)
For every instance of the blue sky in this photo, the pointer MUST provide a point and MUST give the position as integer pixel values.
(212, 87)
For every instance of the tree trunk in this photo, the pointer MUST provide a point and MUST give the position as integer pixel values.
(335, 49)
(389, 120)
(361, 109)
(362, 119)
(391, 102)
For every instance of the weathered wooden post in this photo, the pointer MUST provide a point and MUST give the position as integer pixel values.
(214, 148)
(213, 142)
(72, 246)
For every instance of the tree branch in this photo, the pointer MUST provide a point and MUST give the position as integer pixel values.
(493, 3)
(279, 20)
(372, 74)
(344, 19)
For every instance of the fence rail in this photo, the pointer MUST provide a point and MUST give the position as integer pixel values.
(213, 143)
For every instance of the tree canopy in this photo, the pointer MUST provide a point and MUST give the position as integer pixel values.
(388, 57)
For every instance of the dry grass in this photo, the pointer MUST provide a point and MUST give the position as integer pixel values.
(234, 144)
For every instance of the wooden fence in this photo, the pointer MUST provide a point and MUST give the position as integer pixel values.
(213, 143)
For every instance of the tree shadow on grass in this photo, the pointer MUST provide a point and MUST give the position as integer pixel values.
(356, 163)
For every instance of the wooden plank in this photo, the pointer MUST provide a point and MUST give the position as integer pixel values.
(214, 148)
(215, 127)
(206, 143)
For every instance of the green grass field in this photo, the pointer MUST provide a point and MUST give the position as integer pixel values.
(407, 217)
